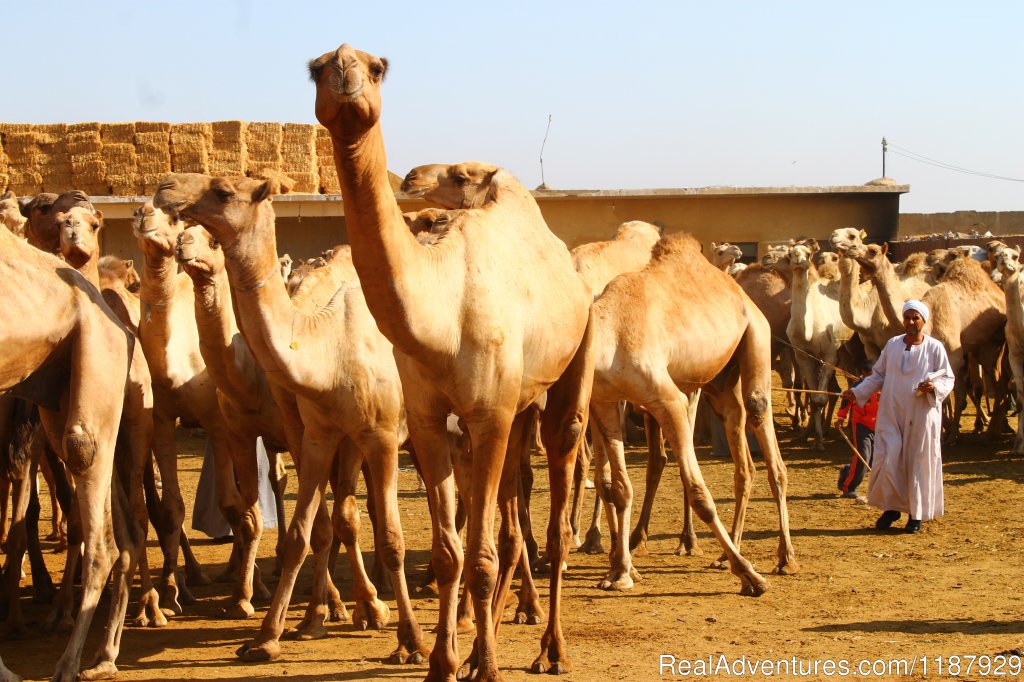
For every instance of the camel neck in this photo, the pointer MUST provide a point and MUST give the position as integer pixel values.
(854, 306)
(1014, 303)
(215, 322)
(386, 255)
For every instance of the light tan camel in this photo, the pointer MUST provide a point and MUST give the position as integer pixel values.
(182, 388)
(80, 248)
(655, 342)
(67, 362)
(724, 255)
(342, 371)
(10, 214)
(252, 407)
(1009, 266)
(472, 336)
(816, 329)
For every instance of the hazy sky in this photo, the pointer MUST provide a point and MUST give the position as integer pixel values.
(641, 94)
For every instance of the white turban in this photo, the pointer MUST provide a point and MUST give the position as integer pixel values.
(919, 306)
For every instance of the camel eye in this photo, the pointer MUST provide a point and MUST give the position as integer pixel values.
(222, 194)
(377, 71)
(214, 244)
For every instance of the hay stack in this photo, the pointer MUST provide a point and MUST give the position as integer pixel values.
(153, 153)
(190, 147)
(82, 146)
(4, 166)
(263, 145)
(228, 155)
(325, 162)
(21, 146)
(299, 157)
(121, 159)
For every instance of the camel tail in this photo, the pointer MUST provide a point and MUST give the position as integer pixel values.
(755, 358)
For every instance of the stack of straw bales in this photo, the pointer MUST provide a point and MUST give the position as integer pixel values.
(299, 157)
(5, 178)
(190, 147)
(82, 146)
(228, 152)
(21, 147)
(121, 159)
(263, 145)
(153, 151)
(325, 162)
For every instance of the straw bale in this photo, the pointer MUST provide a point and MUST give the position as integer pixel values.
(25, 182)
(9, 128)
(154, 166)
(152, 127)
(19, 144)
(84, 127)
(83, 143)
(305, 183)
(126, 185)
(227, 162)
(117, 133)
(226, 133)
(121, 160)
(5, 181)
(190, 145)
(328, 177)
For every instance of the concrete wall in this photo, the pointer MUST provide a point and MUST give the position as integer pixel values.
(997, 222)
(308, 224)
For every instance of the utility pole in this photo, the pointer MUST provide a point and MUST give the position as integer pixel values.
(885, 148)
(543, 184)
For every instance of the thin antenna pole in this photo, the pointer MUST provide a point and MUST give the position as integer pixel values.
(546, 131)
(885, 148)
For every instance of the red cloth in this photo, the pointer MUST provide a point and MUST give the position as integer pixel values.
(865, 416)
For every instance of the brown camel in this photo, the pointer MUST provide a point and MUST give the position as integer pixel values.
(42, 229)
(472, 336)
(349, 398)
(649, 350)
(67, 364)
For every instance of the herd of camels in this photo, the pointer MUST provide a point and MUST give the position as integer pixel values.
(423, 334)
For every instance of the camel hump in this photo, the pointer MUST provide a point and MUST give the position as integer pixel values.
(679, 242)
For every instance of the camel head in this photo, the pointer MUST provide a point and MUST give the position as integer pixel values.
(1008, 261)
(458, 185)
(285, 262)
(940, 259)
(79, 235)
(430, 220)
(42, 228)
(199, 253)
(348, 90)
(226, 206)
(993, 248)
(800, 256)
(10, 214)
(156, 230)
(776, 256)
(870, 256)
(114, 270)
(845, 238)
(725, 254)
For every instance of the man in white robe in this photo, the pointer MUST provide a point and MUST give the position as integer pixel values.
(906, 477)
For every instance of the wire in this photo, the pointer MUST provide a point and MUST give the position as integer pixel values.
(920, 158)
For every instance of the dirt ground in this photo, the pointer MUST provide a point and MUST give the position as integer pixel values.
(886, 598)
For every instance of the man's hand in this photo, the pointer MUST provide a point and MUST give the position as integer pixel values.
(849, 396)
(926, 387)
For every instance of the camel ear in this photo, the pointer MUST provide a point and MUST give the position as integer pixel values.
(863, 234)
(812, 244)
(99, 218)
(8, 195)
(264, 191)
(316, 65)
(714, 246)
(129, 264)
(885, 248)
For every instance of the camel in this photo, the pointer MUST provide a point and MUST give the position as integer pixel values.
(41, 227)
(80, 248)
(816, 329)
(10, 214)
(472, 336)
(724, 256)
(67, 362)
(1009, 266)
(655, 343)
(348, 396)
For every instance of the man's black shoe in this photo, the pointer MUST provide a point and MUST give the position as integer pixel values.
(913, 525)
(887, 519)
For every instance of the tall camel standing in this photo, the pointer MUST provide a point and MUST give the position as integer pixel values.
(67, 362)
(342, 372)
(252, 406)
(1009, 266)
(816, 329)
(655, 342)
(471, 320)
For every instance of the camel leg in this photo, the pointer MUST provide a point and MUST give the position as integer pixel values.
(528, 609)
(278, 475)
(563, 426)
(1017, 367)
(17, 540)
(58, 525)
(579, 486)
(656, 460)
(172, 510)
(5, 507)
(670, 411)
(381, 454)
(525, 490)
(319, 446)
(238, 483)
(602, 484)
(426, 419)
(957, 360)
(618, 494)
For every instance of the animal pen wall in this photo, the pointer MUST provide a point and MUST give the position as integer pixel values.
(756, 217)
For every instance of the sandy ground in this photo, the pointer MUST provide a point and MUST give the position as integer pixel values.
(890, 599)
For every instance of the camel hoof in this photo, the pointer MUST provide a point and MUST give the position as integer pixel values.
(683, 550)
(305, 632)
(371, 615)
(754, 586)
(787, 567)
(338, 613)
(618, 581)
(259, 653)
(238, 610)
(198, 577)
(523, 618)
(169, 601)
(464, 626)
(721, 563)
(411, 653)
(640, 549)
(592, 543)
(101, 671)
(543, 664)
